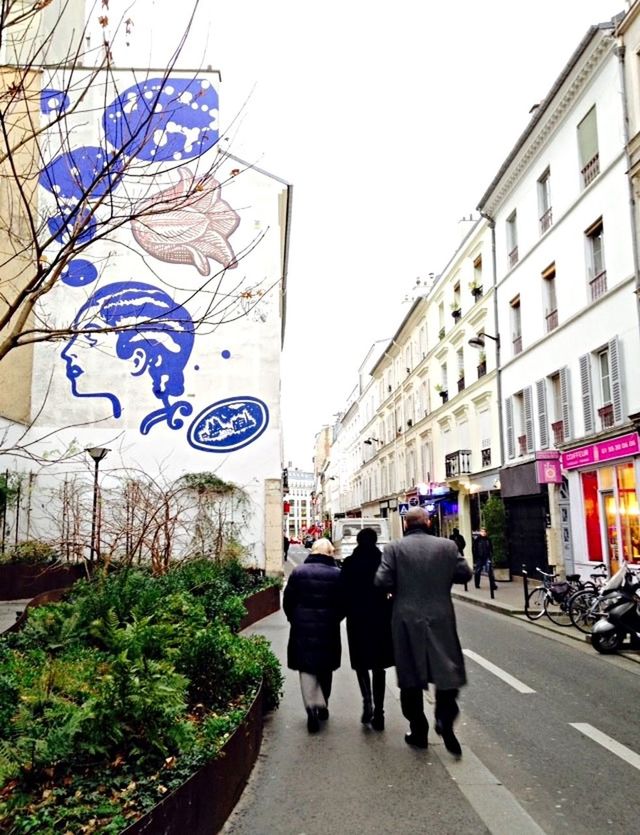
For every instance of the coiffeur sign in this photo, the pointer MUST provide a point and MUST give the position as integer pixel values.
(604, 451)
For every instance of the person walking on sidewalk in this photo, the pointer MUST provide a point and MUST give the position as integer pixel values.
(482, 551)
(312, 603)
(460, 541)
(420, 569)
(368, 625)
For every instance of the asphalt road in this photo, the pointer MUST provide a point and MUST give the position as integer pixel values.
(537, 747)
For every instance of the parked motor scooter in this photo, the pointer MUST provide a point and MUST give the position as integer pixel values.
(622, 618)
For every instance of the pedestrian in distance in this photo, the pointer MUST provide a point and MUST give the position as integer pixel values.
(419, 570)
(460, 541)
(368, 611)
(312, 603)
(285, 547)
(482, 551)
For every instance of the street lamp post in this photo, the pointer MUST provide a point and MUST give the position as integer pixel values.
(478, 342)
(97, 453)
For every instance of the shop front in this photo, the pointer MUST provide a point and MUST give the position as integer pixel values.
(603, 485)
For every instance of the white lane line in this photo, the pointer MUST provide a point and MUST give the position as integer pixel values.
(609, 743)
(498, 671)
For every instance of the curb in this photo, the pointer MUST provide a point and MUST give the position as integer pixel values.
(512, 611)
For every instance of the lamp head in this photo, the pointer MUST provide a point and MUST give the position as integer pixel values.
(477, 342)
(97, 452)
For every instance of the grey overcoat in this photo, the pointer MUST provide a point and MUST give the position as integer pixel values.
(419, 569)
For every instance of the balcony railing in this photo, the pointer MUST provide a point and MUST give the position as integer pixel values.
(486, 456)
(546, 220)
(457, 463)
(522, 444)
(606, 416)
(591, 170)
(517, 345)
(558, 432)
(552, 320)
(598, 285)
(460, 383)
(482, 369)
(513, 257)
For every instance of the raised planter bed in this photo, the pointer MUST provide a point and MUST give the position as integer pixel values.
(19, 581)
(201, 805)
(259, 605)
(53, 596)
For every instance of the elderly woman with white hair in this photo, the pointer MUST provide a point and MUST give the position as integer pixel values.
(313, 605)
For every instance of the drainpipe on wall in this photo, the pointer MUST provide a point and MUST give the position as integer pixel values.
(620, 52)
(492, 226)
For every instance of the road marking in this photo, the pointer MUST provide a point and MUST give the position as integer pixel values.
(497, 671)
(609, 743)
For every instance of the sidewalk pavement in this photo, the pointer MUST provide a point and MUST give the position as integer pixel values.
(350, 779)
(8, 610)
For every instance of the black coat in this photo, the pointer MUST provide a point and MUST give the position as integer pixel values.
(312, 602)
(368, 611)
(481, 549)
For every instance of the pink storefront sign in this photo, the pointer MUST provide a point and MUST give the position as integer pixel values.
(549, 471)
(604, 451)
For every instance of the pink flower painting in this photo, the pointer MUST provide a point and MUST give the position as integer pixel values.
(187, 223)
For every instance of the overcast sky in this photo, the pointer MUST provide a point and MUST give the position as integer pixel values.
(390, 120)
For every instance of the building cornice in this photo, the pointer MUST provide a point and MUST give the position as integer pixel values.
(582, 66)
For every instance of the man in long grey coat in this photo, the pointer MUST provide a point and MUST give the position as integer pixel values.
(419, 570)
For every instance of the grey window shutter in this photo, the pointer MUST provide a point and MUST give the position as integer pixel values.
(565, 396)
(511, 446)
(587, 393)
(527, 396)
(615, 368)
(543, 426)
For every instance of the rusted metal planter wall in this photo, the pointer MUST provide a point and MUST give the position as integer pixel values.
(204, 802)
(259, 605)
(18, 581)
(53, 596)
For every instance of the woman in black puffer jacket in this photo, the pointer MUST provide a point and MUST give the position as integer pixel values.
(312, 602)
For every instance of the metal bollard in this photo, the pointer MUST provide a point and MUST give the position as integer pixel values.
(525, 584)
(492, 581)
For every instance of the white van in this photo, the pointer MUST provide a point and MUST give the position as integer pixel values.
(346, 530)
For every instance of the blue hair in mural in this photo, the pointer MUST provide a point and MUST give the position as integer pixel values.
(164, 119)
(229, 424)
(154, 332)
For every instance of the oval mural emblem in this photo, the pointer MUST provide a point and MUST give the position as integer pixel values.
(229, 424)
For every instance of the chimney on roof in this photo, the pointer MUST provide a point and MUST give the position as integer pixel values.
(534, 108)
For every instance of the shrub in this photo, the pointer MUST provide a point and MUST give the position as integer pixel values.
(31, 552)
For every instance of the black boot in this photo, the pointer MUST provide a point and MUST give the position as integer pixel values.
(364, 681)
(313, 723)
(379, 683)
(446, 712)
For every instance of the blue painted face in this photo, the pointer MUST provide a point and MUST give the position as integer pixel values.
(154, 335)
(164, 119)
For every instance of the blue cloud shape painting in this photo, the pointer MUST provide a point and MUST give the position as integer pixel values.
(81, 173)
(229, 424)
(164, 119)
(53, 101)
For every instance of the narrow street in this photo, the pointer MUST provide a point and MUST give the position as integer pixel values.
(549, 733)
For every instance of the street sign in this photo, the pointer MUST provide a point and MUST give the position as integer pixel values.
(403, 508)
(414, 501)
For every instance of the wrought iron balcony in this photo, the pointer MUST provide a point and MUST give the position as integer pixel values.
(522, 443)
(546, 220)
(517, 345)
(591, 170)
(513, 257)
(552, 320)
(598, 285)
(558, 432)
(606, 416)
(457, 463)
(486, 456)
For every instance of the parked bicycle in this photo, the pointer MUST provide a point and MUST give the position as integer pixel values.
(587, 607)
(552, 598)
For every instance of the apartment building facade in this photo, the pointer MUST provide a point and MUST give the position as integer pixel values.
(568, 322)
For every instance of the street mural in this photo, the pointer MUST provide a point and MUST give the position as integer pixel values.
(193, 228)
(152, 337)
(133, 339)
(229, 424)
